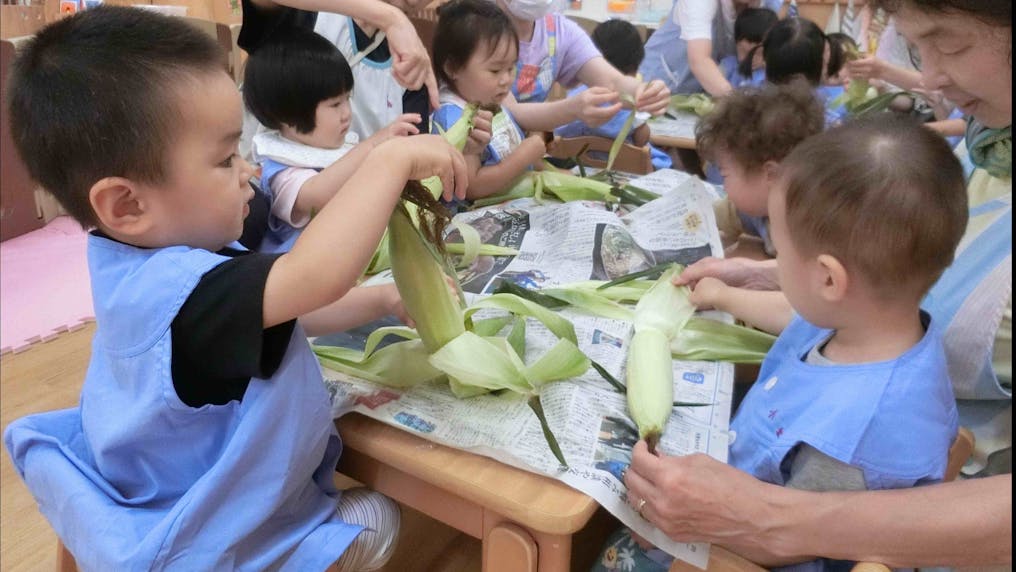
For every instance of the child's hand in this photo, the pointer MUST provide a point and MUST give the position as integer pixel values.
(533, 148)
(403, 125)
(431, 155)
(596, 105)
(652, 97)
(392, 303)
(708, 293)
(479, 135)
(866, 68)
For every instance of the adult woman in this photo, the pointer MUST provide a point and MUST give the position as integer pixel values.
(695, 35)
(965, 49)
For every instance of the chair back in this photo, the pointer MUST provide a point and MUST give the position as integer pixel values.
(594, 151)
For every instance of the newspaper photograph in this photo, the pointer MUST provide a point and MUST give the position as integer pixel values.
(560, 244)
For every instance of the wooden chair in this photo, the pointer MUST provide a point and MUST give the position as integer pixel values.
(723, 560)
(630, 159)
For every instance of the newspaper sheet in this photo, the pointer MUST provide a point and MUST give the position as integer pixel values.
(676, 124)
(559, 244)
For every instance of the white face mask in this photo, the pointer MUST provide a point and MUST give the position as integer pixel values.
(530, 9)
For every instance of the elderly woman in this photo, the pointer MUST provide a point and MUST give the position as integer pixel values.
(966, 52)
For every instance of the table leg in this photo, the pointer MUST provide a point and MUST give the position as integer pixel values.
(507, 547)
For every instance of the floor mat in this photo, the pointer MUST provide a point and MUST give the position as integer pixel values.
(44, 286)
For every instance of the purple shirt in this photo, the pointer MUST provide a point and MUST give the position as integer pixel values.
(573, 49)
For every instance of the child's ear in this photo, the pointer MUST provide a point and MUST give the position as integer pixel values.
(834, 278)
(119, 207)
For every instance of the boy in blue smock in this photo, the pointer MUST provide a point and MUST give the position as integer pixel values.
(621, 45)
(204, 438)
(855, 393)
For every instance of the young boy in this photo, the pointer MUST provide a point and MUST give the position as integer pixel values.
(855, 393)
(746, 136)
(621, 46)
(750, 29)
(204, 438)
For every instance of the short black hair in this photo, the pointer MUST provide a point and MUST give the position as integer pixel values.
(840, 45)
(752, 24)
(620, 43)
(287, 77)
(94, 95)
(792, 47)
(462, 26)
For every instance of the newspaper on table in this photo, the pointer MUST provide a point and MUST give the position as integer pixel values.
(676, 124)
(560, 244)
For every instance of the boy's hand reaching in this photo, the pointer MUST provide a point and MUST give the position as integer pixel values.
(533, 148)
(708, 293)
(479, 135)
(431, 155)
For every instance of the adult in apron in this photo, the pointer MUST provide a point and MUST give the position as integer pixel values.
(709, 20)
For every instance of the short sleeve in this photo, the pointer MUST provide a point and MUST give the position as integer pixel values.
(695, 17)
(576, 48)
(219, 339)
(286, 185)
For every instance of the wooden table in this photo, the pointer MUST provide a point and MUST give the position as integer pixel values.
(526, 522)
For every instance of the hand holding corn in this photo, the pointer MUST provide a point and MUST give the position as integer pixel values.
(652, 97)
(596, 105)
(479, 135)
(431, 155)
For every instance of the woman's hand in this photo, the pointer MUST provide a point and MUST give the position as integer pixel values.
(734, 272)
(411, 64)
(430, 155)
(595, 106)
(403, 125)
(708, 293)
(652, 97)
(693, 498)
(866, 68)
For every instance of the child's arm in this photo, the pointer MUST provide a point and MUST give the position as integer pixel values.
(493, 179)
(768, 311)
(331, 253)
(317, 190)
(361, 305)
(411, 63)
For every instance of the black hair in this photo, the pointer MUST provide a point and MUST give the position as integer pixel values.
(839, 45)
(94, 95)
(462, 26)
(792, 47)
(287, 77)
(992, 12)
(752, 24)
(620, 43)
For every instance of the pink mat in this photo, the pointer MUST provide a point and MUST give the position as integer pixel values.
(44, 287)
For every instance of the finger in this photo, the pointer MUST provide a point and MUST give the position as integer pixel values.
(644, 465)
(695, 272)
(599, 115)
(602, 97)
(430, 82)
(456, 187)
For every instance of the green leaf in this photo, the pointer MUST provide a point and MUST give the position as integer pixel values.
(653, 272)
(618, 386)
(537, 407)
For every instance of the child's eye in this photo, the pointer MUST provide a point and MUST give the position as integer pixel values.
(228, 163)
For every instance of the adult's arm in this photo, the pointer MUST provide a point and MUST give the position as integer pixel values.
(594, 106)
(696, 498)
(652, 97)
(411, 67)
(705, 69)
(737, 272)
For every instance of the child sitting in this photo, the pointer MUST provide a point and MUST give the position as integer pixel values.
(855, 394)
(204, 438)
(621, 45)
(750, 29)
(797, 47)
(475, 50)
(298, 85)
(380, 99)
(746, 136)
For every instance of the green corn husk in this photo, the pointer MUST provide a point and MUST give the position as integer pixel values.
(698, 103)
(562, 186)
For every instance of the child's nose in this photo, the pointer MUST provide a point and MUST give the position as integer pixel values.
(246, 170)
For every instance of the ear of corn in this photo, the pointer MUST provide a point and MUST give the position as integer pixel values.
(698, 103)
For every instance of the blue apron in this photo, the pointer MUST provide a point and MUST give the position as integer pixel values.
(281, 235)
(133, 479)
